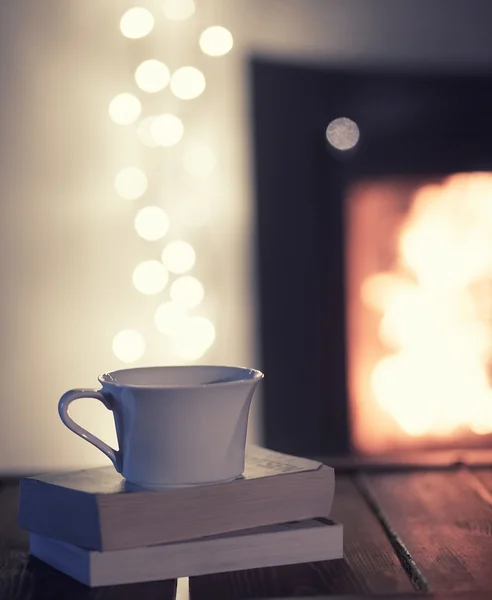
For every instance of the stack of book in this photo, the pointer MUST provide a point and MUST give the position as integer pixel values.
(92, 526)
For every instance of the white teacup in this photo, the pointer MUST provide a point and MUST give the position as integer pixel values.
(176, 426)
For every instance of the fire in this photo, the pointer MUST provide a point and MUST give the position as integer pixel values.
(434, 312)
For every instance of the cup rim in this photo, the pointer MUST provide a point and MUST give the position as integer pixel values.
(250, 375)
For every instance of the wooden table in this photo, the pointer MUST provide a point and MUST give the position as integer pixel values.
(419, 532)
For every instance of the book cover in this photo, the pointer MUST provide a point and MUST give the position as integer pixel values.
(94, 509)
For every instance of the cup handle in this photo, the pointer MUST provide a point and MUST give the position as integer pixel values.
(65, 401)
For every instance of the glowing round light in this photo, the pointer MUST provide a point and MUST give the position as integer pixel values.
(125, 109)
(152, 76)
(166, 130)
(136, 23)
(343, 133)
(199, 161)
(128, 345)
(195, 339)
(187, 291)
(187, 83)
(178, 256)
(216, 41)
(170, 318)
(143, 133)
(150, 277)
(151, 223)
(131, 183)
(178, 10)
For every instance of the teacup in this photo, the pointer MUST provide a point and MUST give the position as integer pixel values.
(176, 426)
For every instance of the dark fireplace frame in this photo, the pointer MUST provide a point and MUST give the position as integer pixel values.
(412, 123)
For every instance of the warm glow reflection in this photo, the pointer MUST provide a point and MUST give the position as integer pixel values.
(152, 76)
(216, 41)
(128, 345)
(150, 277)
(435, 312)
(187, 83)
(137, 22)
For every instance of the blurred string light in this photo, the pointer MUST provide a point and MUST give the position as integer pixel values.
(178, 10)
(128, 345)
(143, 132)
(170, 318)
(216, 41)
(187, 83)
(197, 335)
(189, 335)
(150, 277)
(152, 76)
(131, 183)
(125, 109)
(137, 22)
(187, 291)
(151, 223)
(166, 130)
(178, 256)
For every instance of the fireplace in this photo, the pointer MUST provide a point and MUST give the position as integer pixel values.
(374, 257)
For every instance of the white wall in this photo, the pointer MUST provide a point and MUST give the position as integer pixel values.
(67, 246)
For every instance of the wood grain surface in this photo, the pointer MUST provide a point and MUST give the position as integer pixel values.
(443, 523)
(370, 565)
(408, 535)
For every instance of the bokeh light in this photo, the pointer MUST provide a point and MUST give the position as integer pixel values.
(143, 132)
(196, 337)
(151, 223)
(178, 10)
(137, 22)
(178, 256)
(166, 130)
(150, 277)
(343, 133)
(152, 76)
(170, 318)
(216, 41)
(125, 109)
(187, 83)
(128, 345)
(187, 291)
(130, 183)
(200, 160)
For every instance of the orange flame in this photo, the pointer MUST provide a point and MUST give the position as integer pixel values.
(435, 378)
